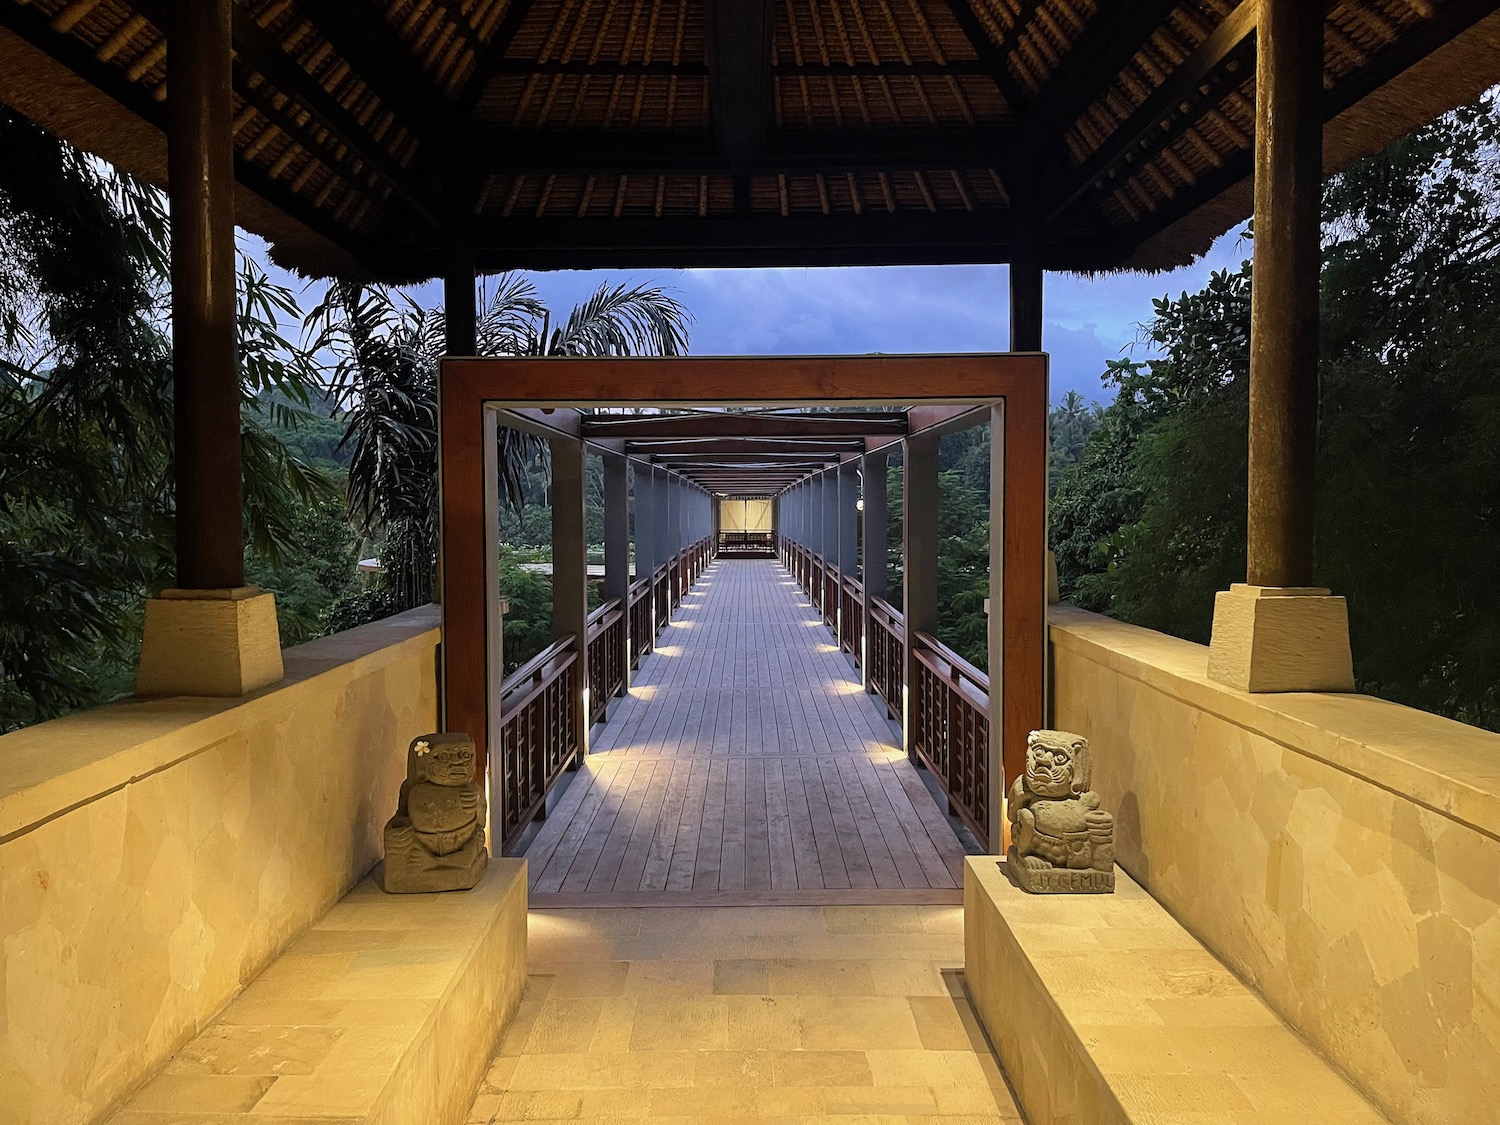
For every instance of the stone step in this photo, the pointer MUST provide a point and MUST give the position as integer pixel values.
(1103, 1009)
(386, 1011)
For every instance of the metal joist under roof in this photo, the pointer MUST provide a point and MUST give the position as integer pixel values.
(369, 138)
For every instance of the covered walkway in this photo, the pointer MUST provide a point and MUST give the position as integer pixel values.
(746, 767)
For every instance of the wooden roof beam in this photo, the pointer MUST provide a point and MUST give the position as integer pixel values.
(739, 75)
(258, 50)
(493, 59)
(745, 447)
(377, 54)
(991, 55)
(1451, 21)
(543, 151)
(718, 424)
(1225, 58)
(1104, 48)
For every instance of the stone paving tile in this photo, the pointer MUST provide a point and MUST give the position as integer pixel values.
(797, 1014)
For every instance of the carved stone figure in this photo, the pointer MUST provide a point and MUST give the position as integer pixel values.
(1062, 842)
(435, 842)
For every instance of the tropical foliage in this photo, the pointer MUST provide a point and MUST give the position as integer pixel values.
(86, 527)
(1150, 521)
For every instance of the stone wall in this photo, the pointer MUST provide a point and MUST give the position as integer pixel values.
(155, 855)
(1340, 853)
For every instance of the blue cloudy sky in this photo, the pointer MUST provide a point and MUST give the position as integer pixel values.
(897, 309)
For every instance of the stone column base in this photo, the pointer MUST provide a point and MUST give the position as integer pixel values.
(1281, 638)
(209, 642)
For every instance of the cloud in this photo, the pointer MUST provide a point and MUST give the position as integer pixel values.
(893, 309)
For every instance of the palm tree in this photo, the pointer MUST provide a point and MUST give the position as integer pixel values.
(384, 378)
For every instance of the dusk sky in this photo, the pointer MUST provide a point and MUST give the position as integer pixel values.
(858, 310)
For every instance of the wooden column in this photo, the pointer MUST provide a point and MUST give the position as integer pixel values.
(919, 528)
(617, 548)
(848, 517)
(205, 361)
(1284, 302)
(1003, 695)
(1276, 631)
(460, 314)
(875, 546)
(570, 599)
(1025, 270)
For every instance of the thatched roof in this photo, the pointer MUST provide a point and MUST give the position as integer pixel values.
(737, 132)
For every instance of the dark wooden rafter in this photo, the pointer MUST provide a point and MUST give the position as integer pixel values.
(257, 50)
(491, 62)
(745, 447)
(784, 71)
(1113, 37)
(376, 52)
(739, 75)
(719, 424)
(513, 151)
(1450, 21)
(991, 56)
(111, 80)
(1224, 60)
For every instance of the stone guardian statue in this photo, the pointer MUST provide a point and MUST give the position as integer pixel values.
(1062, 842)
(435, 842)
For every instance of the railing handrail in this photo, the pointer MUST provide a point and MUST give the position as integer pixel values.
(532, 676)
(639, 589)
(961, 667)
(885, 609)
(605, 616)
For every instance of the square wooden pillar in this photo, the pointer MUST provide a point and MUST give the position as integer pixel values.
(875, 547)
(1278, 631)
(920, 500)
(570, 597)
(617, 549)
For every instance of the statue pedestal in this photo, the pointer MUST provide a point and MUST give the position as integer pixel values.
(1281, 638)
(210, 642)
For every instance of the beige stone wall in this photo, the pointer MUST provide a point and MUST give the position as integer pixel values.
(155, 855)
(1341, 853)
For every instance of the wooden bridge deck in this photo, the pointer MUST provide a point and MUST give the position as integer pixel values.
(746, 767)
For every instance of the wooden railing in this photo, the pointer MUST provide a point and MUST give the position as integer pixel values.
(887, 654)
(852, 617)
(606, 657)
(747, 541)
(830, 598)
(675, 580)
(539, 734)
(642, 639)
(661, 588)
(950, 729)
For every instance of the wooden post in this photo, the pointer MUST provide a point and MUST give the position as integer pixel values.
(460, 314)
(1284, 301)
(876, 548)
(919, 529)
(1026, 271)
(997, 768)
(212, 634)
(846, 481)
(205, 361)
(1278, 632)
(617, 549)
(570, 596)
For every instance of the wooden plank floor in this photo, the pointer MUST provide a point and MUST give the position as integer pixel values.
(746, 767)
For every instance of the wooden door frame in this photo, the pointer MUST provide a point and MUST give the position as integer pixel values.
(538, 394)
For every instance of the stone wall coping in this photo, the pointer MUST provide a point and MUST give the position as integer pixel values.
(1446, 766)
(56, 766)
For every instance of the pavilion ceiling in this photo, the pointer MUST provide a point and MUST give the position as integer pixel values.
(745, 454)
(716, 132)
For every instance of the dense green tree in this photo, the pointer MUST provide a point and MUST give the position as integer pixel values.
(86, 422)
(1151, 520)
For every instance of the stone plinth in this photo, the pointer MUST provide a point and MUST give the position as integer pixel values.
(385, 1012)
(1105, 1010)
(210, 642)
(1281, 638)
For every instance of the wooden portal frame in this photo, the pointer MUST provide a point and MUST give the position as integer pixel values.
(537, 393)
